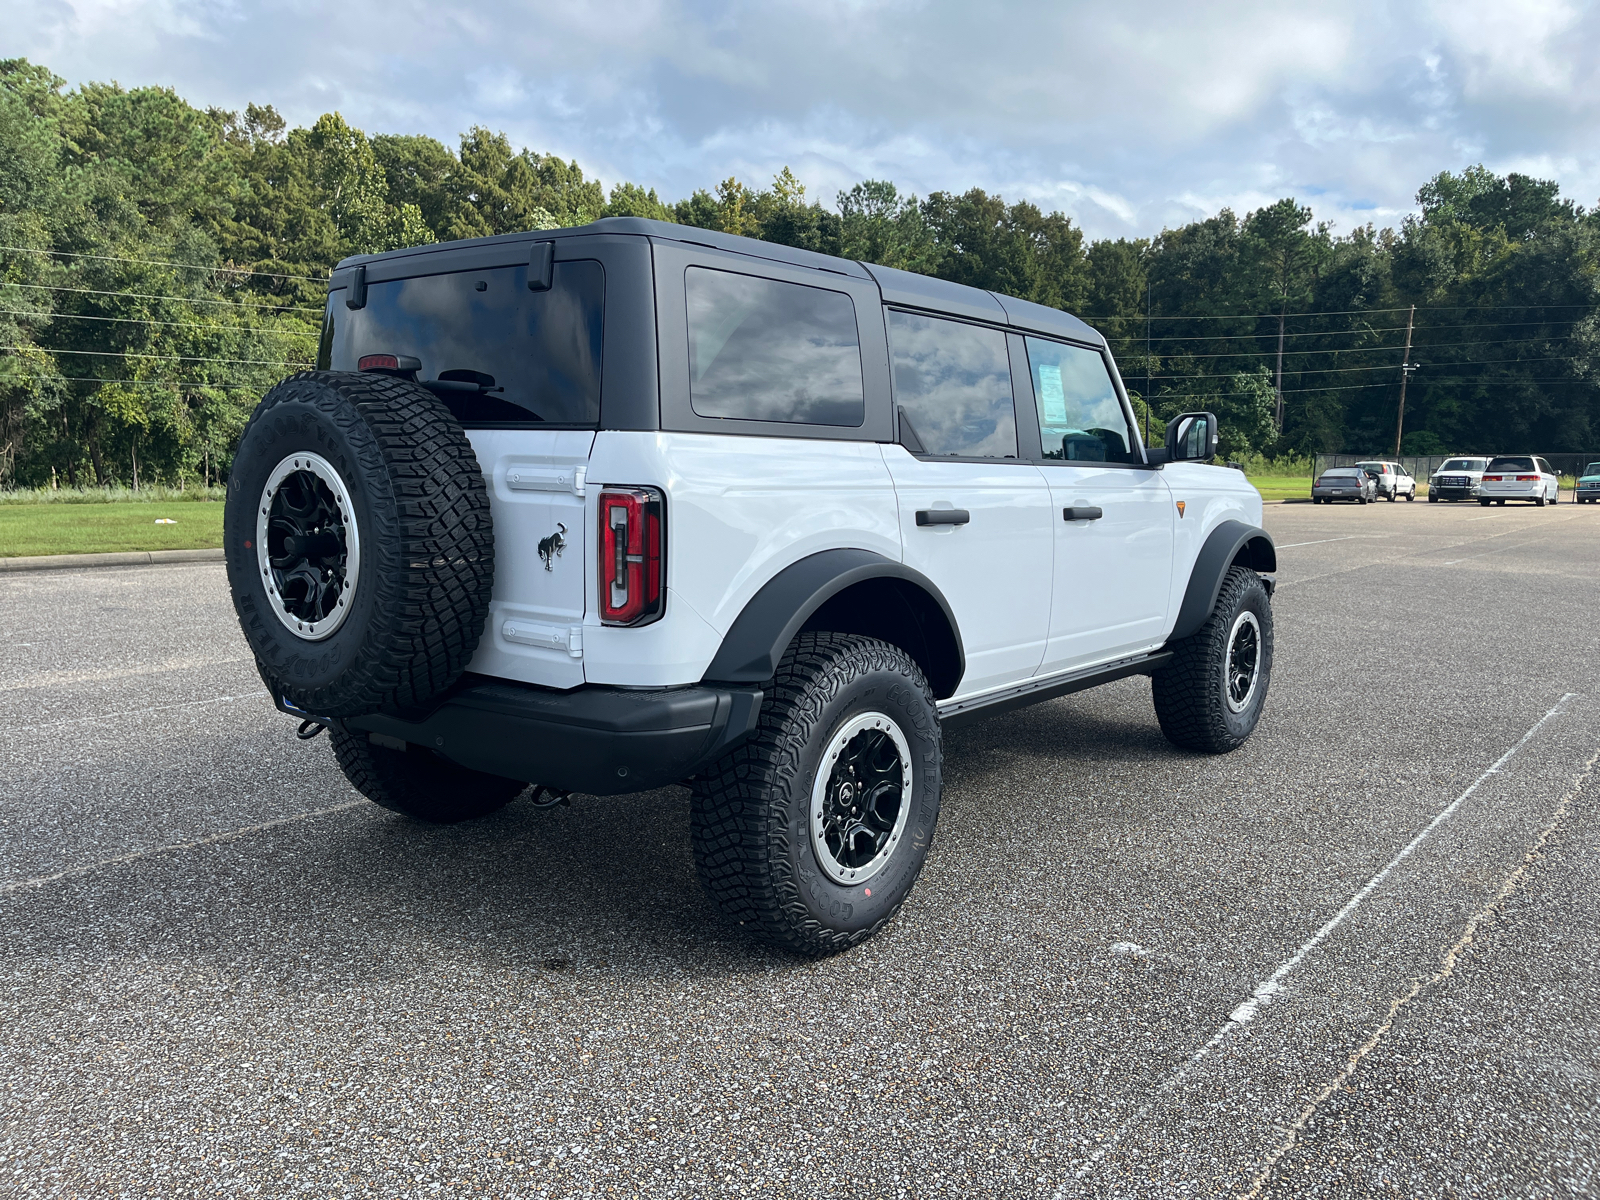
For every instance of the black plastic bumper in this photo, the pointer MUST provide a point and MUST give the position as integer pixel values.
(599, 740)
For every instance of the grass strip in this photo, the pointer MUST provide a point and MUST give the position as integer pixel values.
(28, 529)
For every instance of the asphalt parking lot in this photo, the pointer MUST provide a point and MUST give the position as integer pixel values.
(1356, 957)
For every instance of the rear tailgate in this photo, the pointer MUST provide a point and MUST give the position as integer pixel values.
(538, 494)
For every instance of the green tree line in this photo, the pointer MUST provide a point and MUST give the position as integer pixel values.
(161, 266)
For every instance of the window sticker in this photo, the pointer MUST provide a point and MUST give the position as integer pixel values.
(1052, 399)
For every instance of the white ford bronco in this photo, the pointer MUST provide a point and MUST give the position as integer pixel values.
(634, 504)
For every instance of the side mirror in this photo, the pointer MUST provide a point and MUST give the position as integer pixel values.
(1192, 437)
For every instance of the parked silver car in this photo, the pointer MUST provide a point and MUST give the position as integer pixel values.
(1343, 483)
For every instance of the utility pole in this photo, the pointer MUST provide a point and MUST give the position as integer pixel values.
(1278, 386)
(1406, 367)
(1147, 360)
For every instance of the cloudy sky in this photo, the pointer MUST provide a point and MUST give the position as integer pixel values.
(1128, 116)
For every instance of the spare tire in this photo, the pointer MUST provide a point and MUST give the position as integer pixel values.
(359, 545)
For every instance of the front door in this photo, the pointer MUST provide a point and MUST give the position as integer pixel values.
(974, 518)
(1113, 517)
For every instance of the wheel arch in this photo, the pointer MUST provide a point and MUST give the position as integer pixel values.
(1230, 544)
(844, 591)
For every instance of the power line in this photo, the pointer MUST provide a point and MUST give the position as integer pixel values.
(1466, 362)
(55, 316)
(46, 287)
(1369, 349)
(1325, 333)
(155, 262)
(177, 383)
(1337, 312)
(251, 362)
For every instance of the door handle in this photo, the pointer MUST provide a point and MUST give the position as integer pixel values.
(943, 516)
(1081, 513)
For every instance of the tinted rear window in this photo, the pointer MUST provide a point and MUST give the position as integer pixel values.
(953, 383)
(538, 352)
(764, 350)
(1511, 464)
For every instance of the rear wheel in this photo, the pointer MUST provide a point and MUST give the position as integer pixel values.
(812, 833)
(1210, 696)
(1538, 501)
(1485, 503)
(416, 782)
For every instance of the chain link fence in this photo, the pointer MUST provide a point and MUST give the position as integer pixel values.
(1422, 466)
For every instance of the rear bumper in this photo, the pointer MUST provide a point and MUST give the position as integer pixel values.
(598, 740)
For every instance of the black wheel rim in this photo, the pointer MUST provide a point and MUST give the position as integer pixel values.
(860, 798)
(1244, 661)
(308, 546)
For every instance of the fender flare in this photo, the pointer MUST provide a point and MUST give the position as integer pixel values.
(780, 609)
(1228, 543)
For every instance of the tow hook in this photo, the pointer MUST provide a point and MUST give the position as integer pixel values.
(309, 729)
(550, 797)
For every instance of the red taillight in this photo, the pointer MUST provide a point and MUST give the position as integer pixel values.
(632, 555)
(1527, 479)
(1491, 479)
(388, 362)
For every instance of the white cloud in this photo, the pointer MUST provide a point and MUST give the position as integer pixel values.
(1125, 116)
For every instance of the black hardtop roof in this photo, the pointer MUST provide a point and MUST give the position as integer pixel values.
(903, 288)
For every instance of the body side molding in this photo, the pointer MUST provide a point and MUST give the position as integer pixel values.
(759, 635)
(1229, 542)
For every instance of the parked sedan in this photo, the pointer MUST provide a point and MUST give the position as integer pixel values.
(1519, 477)
(1589, 484)
(1343, 483)
(1392, 479)
(1457, 479)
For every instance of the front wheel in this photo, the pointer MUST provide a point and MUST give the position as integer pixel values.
(1411, 495)
(812, 833)
(416, 782)
(1210, 696)
(1485, 503)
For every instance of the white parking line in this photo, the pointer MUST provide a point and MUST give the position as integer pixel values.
(1447, 967)
(1347, 538)
(132, 712)
(1273, 984)
(17, 885)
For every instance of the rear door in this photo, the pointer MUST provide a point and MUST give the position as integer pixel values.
(974, 517)
(520, 368)
(1112, 516)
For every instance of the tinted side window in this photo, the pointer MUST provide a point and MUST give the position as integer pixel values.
(954, 382)
(1080, 415)
(535, 356)
(763, 350)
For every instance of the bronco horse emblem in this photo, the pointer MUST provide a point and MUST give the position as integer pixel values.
(550, 548)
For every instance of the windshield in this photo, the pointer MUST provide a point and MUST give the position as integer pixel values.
(1511, 464)
(1591, 469)
(1463, 464)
